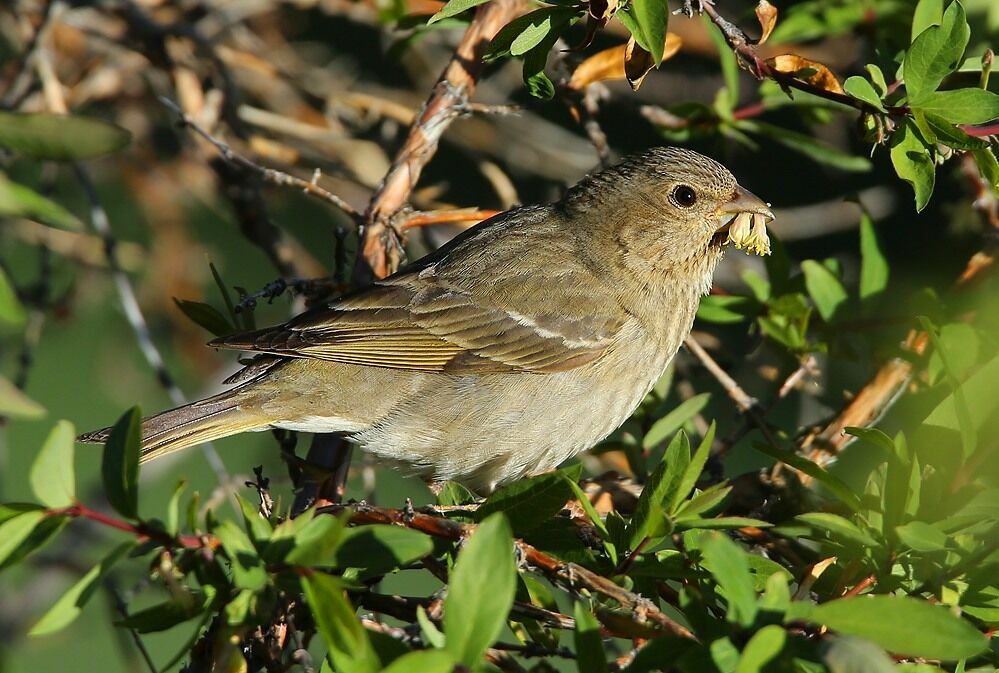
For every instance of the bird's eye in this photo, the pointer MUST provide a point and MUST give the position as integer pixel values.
(685, 195)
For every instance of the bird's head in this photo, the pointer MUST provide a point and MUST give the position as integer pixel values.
(668, 205)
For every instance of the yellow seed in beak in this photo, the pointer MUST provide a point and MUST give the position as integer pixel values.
(749, 231)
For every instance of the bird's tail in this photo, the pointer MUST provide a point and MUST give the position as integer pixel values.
(203, 421)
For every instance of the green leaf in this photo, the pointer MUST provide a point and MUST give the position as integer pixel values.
(453, 8)
(928, 13)
(936, 52)
(651, 18)
(529, 502)
(11, 310)
(424, 661)
(848, 654)
(835, 485)
(475, 611)
(873, 265)
(70, 605)
(761, 649)
(704, 501)
(891, 621)
(120, 464)
(978, 391)
(840, 529)
(912, 161)
(17, 200)
(532, 35)
(960, 106)
(259, 528)
(379, 549)
(317, 542)
(878, 77)
(815, 149)
(529, 29)
(988, 166)
(16, 530)
(948, 134)
(591, 512)
(247, 567)
(922, 536)
(667, 426)
(206, 316)
(350, 649)
(431, 634)
(649, 519)
(860, 88)
(538, 84)
(53, 479)
(60, 137)
(824, 288)
(726, 561)
(723, 309)
(874, 437)
(721, 522)
(15, 404)
(694, 469)
(173, 508)
(589, 645)
(166, 615)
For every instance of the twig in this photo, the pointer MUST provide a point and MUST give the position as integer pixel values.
(743, 400)
(20, 83)
(759, 68)
(568, 574)
(122, 608)
(270, 175)
(449, 98)
(133, 313)
(427, 218)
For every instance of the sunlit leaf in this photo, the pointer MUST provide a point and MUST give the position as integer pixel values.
(455, 7)
(475, 611)
(42, 135)
(666, 427)
(726, 561)
(891, 621)
(650, 18)
(70, 605)
(913, 162)
(350, 649)
(589, 644)
(858, 87)
(529, 502)
(761, 649)
(824, 288)
(17, 200)
(960, 106)
(53, 479)
(15, 404)
(936, 52)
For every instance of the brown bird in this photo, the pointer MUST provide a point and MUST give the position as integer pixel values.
(525, 340)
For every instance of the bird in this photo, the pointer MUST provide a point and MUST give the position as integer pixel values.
(522, 342)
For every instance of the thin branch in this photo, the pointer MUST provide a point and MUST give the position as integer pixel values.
(449, 99)
(568, 574)
(270, 175)
(745, 49)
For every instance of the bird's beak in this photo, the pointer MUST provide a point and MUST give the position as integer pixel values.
(744, 201)
(744, 219)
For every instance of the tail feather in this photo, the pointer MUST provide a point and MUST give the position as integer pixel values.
(195, 423)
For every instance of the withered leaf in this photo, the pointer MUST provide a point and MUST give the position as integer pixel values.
(637, 63)
(766, 14)
(610, 64)
(812, 72)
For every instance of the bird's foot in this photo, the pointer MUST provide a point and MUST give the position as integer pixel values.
(687, 7)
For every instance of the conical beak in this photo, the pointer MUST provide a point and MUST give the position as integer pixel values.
(743, 222)
(744, 201)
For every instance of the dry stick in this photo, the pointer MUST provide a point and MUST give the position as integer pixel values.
(566, 573)
(137, 321)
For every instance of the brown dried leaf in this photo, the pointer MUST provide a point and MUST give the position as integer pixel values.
(812, 72)
(602, 9)
(766, 14)
(637, 63)
(611, 63)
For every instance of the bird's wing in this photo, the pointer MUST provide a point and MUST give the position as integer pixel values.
(416, 321)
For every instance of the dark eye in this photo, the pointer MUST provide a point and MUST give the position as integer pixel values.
(685, 195)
